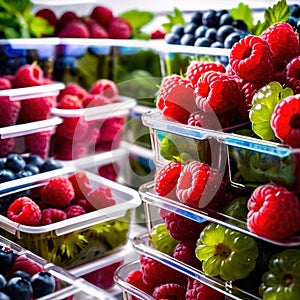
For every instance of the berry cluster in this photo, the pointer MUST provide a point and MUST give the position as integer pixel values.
(294, 18)
(61, 198)
(100, 23)
(71, 140)
(21, 278)
(209, 28)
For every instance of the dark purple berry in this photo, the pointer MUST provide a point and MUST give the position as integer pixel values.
(22, 274)
(15, 162)
(190, 28)
(187, 39)
(225, 19)
(209, 18)
(211, 34)
(200, 31)
(223, 32)
(34, 169)
(7, 258)
(197, 17)
(178, 29)
(6, 175)
(43, 283)
(34, 159)
(203, 42)
(23, 174)
(231, 39)
(3, 296)
(50, 164)
(18, 288)
(2, 282)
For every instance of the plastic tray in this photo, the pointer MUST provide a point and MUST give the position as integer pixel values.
(149, 196)
(70, 285)
(142, 245)
(95, 227)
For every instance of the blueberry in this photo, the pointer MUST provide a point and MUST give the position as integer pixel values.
(7, 258)
(187, 39)
(203, 42)
(200, 31)
(43, 283)
(209, 18)
(295, 10)
(6, 175)
(217, 44)
(211, 34)
(32, 168)
(225, 19)
(50, 164)
(172, 38)
(22, 274)
(190, 28)
(23, 174)
(64, 62)
(231, 39)
(178, 29)
(240, 24)
(2, 162)
(2, 282)
(197, 17)
(292, 21)
(223, 32)
(15, 162)
(4, 296)
(18, 288)
(34, 159)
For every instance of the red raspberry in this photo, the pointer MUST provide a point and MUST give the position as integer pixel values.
(251, 59)
(52, 215)
(101, 197)
(70, 102)
(74, 29)
(105, 87)
(183, 229)
(84, 203)
(73, 129)
(197, 290)
(166, 179)
(74, 211)
(95, 29)
(38, 143)
(109, 171)
(135, 278)
(22, 263)
(169, 291)
(28, 75)
(24, 211)
(119, 29)
(73, 89)
(285, 120)
(197, 68)
(36, 109)
(80, 183)
(274, 212)
(185, 252)
(158, 34)
(92, 100)
(283, 41)
(64, 19)
(58, 192)
(216, 92)
(175, 98)
(47, 14)
(208, 120)
(292, 71)
(102, 15)
(7, 146)
(155, 273)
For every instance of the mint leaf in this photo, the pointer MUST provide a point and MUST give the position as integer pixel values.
(137, 19)
(39, 26)
(177, 18)
(279, 12)
(243, 12)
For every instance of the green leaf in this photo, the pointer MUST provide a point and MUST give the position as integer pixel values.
(177, 18)
(137, 19)
(139, 35)
(11, 33)
(279, 12)
(243, 12)
(40, 26)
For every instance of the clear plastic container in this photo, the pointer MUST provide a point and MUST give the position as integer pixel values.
(94, 129)
(67, 285)
(96, 233)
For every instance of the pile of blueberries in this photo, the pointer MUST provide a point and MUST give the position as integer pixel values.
(294, 18)
(16, 166)
(209, 28)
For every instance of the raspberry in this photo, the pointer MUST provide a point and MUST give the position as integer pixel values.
(96, 30)
(158, 34)
(101, 197)
(74, 29)
(119, 29)
(283, 42)
(73, 89)
(135, 278)
(94, 100)
(105, 87)
(58, 192)
(285, 120)
(64, 19)
(166, 179)
(183, 229)
(24, 211)
(83, 203)
(73, 128)
(175, 98)
(216, 92)
(185, 252)
(28, 75)
(207, 120)
(192, 182)
(251, 59)
(274, 212)
(169, 291)
(36, 109)
(109, 171)
(52, 215)
(7, 146)
(70, 102)
(80, 183)
(102, 15)
(292, 74)
(197, 290)
(197, 68)
(48, 15)
(22, 263)
(74, 211)
(155, 273)
(38, 143)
